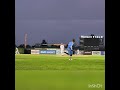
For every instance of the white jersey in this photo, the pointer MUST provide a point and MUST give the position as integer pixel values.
(17, 51)
(62, 47)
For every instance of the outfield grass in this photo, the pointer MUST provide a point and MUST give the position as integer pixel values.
(55, 72)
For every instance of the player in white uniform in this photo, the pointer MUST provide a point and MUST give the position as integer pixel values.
(62, 49)
(17, 52)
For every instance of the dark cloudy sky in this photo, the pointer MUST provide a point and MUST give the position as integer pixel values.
(58, 21)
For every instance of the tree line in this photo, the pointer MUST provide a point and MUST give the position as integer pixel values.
(43, 44)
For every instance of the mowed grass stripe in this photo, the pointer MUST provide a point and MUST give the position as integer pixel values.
(57, 62)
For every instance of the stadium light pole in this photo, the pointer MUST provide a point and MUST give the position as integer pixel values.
(25, 40)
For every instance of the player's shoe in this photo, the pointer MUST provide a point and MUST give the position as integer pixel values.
(66, 53)
(70, 59)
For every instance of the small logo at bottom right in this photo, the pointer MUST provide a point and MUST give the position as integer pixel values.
(94, 85)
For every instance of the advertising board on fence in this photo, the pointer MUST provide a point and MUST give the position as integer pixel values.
(102, 52)
(57, 50)
(87, 53)
(96, 53)
(47, 52)
(34, 51)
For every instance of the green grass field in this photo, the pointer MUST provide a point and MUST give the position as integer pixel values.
(55, 72)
